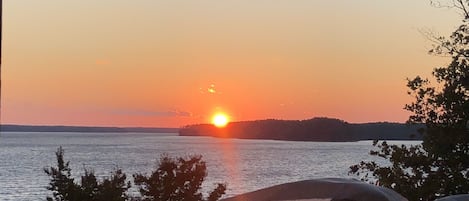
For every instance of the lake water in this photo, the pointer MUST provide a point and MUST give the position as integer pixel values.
(245, 165)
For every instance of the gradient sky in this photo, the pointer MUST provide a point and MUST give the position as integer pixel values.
(172, 63)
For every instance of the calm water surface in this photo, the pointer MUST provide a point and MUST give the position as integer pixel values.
(245, 165)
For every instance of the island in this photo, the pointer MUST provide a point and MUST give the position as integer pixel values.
(316, 129)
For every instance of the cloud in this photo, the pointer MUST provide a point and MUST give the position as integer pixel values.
(210, 89)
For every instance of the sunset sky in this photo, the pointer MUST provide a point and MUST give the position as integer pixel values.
(171, 63)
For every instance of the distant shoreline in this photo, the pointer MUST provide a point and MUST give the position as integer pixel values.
(316, 129)
(84, 129)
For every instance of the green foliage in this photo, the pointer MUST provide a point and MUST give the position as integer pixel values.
(440, 165)
(173, 180)
(176, 179)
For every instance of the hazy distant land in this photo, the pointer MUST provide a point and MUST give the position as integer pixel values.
(316, 129)
(84, 129)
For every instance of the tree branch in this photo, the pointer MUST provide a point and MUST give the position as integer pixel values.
(458, 4)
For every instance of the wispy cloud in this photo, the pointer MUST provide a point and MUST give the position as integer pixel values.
(209, 90)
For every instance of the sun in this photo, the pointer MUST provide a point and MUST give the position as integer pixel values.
(220, 120)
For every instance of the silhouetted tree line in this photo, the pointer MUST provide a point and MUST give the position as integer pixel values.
(440, 165)
(316, 129)
(174, 179)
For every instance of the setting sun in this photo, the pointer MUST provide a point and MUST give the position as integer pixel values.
(220, 120)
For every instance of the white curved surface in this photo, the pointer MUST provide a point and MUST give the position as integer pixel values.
(462, 197)
(322, 189)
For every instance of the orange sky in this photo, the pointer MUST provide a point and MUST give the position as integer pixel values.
(172, 63)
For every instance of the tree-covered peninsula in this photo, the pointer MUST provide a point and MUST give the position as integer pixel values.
(316, 129)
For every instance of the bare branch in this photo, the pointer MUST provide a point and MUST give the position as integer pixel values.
(461, 5)
(436, 40)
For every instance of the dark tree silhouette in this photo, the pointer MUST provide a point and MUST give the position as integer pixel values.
(316, 129)
(61, 184)
(176, 179)
(440, 165)
(90, 189)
